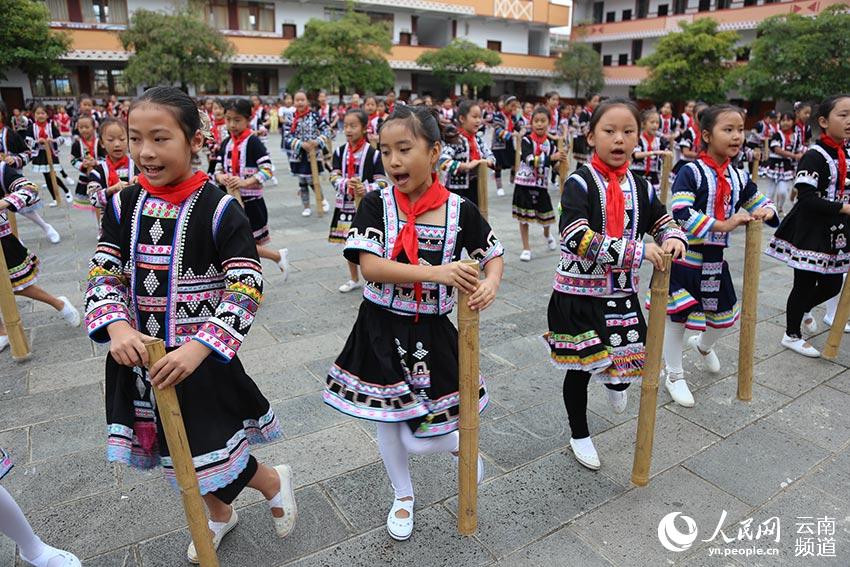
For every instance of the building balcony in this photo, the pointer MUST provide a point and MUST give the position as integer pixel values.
(624, 75)
(732, 19)
(531, 11)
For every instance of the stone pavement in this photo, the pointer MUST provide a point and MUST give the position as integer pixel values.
(784, 454)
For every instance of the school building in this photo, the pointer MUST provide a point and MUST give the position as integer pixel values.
(623, 31)
(260, 30)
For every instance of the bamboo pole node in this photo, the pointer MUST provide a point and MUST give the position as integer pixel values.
(469, 383)
(317, 185)
(749, 310)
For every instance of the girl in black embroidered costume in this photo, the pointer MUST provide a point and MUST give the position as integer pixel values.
(464, 150)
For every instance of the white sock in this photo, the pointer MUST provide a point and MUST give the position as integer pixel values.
(36, 218)
(14, 524)
(674, 336)
(584, 445)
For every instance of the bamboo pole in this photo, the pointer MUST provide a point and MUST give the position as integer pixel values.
(483, 202)
(13, 222)
(660, 289)
(517, 151)
(754, 174)
(317, 185)
(836, 332)
(236, 194)
(749, 310)
(184, 469)
(59, 193)
(357, 198)
(469, 378)
(562, 165)
(11, 315)
(666, 168)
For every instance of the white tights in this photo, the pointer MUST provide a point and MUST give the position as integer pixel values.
(396, 442)
(674, 338)
(14, 524)
(779, 192)
(36, 218)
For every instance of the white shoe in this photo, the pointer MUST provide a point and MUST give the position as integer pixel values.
(286, 501)
(283, 263)
(585, 453)
(679, 391)
(551, 242)
(325, 205)
(52, 203)
(273, 181)
(306, 212)
(712, 363)
(500, 192)
(4, 342)
(480, 469)
(68, 197)
(400, 528)
(192, 554)
(828, 322)
(52, 235)
(618, 400)
(350, 285)
(800, 346)
(809, 324)
(525, 256)
(49, 557)
(69, 313)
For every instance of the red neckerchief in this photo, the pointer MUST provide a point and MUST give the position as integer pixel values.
(42, 130)
(665, 124)
(509, 121)
(538, 142)
(175, 194)
(527, 118)
(474, 152)
(724, 190)
(588, 110)
(408, 238)
(113, 167)
(235, 151)
(697, 140)
(650, 139)
(615, 201)
(801, 127)
(831, 142)
(350, 166)
(372, 117)
(390, 108)
(216, 130)
(92, 147)
(786, 139)
(325, 112)
(553, 119)
(298, 116)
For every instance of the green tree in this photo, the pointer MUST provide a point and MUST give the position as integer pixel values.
(347, 54)
(798, 58)
(461, 63)
(580, 67)
(690, 64)
(26, 40)
(175, 48)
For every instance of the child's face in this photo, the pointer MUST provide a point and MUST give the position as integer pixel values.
(40, 115)
(217, 111)
(472, 121)
(382, 108)
(837, 125)
(85, 128)
(390, 98)
(114, 140)
(255, 101)
(16, 112)
(407, 159)
(447, 103)
(651, 123)
(300, 102)
(553, 101)
(527, 108)
(727, 135)
(370, 106)
(689, 107)
(323, 98)
(615, 136)
(429, 101)
(235, 122)
(158, 145)
(208, 104)
(287, 100)
(512, 107)
(352, 128)
(666, 109)
(355, 100)
(594, 102)
(86, 105)
(540, 124)
(786, 123)
(804, 114)
(61, 110)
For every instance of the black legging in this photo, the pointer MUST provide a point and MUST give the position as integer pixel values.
(810, 290)
(228, 493)
(575, 399)
(50, 187)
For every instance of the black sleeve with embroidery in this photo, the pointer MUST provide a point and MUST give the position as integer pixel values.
(367, 229)
(811, 182)
(476, 235)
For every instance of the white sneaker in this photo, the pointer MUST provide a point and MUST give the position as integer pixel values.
(679, 391)
(285, 500)
(69, 313)
(283, 263)
(350, 285)
(68, 197)
(618, 400)
(4, 342)
(53, 556)
(500, 192)
(585, 453)
(306, 212)
(800, 346)
(325, 205)
(551, 242)
(192, 554)
(525, 256)
(828, 322)
(809, 324)
(273, 181)
(52, 203)
(712, 363)
(52, 235)
(400, 528)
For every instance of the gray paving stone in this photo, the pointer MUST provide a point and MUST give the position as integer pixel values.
(68, 374)
(675, 440)
(821, 415)
(50, 351)
(520, 352)
(13, 383)
(281, 383)
(120, 558)
(519, 507)
(50, 405)
(625, 530)
(833, 476)
(307, 414)
(8, 552)
(68, 435)
(769, 334)
(719, 410)
(17, 445)
(272, 358)
(792, 374)
(527, 387)
(841, 382)
(756, 462)
(560, 549)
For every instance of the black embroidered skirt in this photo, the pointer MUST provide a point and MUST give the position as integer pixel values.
(532, 205)
(22, 264)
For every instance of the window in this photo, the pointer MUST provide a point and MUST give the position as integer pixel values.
(290, 31)
(494, 45)
(217, 15)
(58, 10)
(637, 49)
(104, 11)
(742, 54)
(623, 59)
(723, 4)
(641, 8)
(256, 16)
(598, 10)
(704, 5)
(107, 82)
(663, 10)
(610, 17)
(597, 47)
(404, 38)
(627, 15)
(606, 60)
(679, 6)
(53, 85)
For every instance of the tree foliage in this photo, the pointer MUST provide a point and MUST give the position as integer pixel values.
(175, 48)
(580, 67)
(26, 40)
(691, 64)
(798, 58)
(461, 62)
(347, 54)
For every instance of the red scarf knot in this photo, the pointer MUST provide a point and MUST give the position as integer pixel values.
(175, 193)
(472, 142)
(509, 122)
(831, 142)
(90, 145)
(723, 194)
(538, 142)
(42, 130)
(236, 150)
(295, 119)
(216, 130)
(408, 239)
(350, 166)
(650, 139)
(113, 167)
(615, 202)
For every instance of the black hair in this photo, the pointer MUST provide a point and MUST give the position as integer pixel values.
(466, 107)
(826, 106)
(644, 116)
(241, 106)
(509, 99)
(359, 114)
(85, 117)
(373, 97)
(707, 118)
(787, 116)
(177, 102)
(110, 121)
(84, 96)
(550, 94)
(541, 110)
(610, 103)
(800, 105)
(4, 112)
(422, 121)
